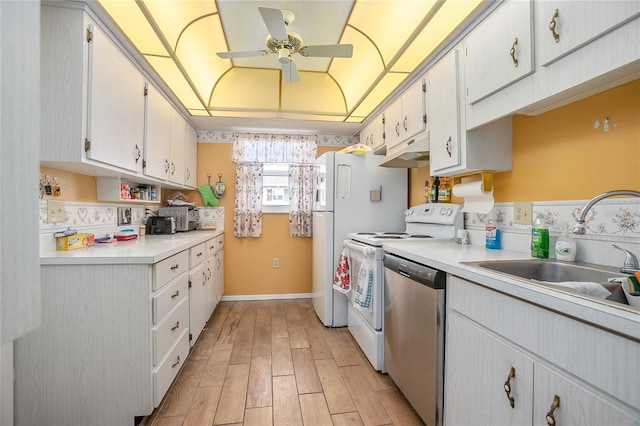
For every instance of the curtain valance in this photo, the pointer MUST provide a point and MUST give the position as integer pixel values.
(274, 148)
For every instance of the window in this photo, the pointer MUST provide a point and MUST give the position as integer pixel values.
(275, 188)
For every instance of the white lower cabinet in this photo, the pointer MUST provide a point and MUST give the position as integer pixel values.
(198, 280)
(512, 363)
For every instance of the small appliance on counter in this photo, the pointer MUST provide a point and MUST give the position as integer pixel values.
(186, 217)
(157, 225)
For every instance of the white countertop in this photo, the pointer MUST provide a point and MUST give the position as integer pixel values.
(143, 250)
(448, 257)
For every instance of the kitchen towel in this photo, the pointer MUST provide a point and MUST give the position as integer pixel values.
(476, 199)
(342, 280)
(364, 286)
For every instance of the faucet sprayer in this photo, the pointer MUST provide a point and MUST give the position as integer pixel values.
(579, 227)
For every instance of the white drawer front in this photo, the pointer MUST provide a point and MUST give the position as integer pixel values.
(164, 374)
(169, 297)
(167, 331)
(211, 246)
(220, 242)
(197, 255)
(170, 268)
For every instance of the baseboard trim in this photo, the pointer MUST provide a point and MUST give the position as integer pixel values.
(266, 297)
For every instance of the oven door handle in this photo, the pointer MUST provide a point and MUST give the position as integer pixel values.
(358, 248)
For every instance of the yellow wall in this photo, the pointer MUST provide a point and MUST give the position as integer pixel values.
(556, 156)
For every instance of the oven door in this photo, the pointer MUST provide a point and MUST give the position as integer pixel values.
(367, 274)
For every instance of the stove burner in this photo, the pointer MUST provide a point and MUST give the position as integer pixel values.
(420, 236)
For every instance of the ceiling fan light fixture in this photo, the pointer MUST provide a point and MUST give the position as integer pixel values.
(284, 56)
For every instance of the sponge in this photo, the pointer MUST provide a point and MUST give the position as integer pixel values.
(208, 198)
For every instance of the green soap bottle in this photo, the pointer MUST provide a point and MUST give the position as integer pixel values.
(540, 239)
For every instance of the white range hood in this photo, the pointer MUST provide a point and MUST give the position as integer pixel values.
(409, 154)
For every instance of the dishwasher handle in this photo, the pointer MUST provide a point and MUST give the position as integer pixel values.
(417, 272)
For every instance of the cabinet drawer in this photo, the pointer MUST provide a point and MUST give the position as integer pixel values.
(196, 255)
(166, 333)
(170, 268)
(169, 297)
(211, 246)
(164, 374)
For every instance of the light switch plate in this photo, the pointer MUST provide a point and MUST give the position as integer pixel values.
(55, 211)
(522, 213)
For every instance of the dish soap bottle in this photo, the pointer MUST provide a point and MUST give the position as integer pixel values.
(540, 239)
(492, 230)
(566, 247)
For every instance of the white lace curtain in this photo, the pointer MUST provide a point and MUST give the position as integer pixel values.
(250, 151)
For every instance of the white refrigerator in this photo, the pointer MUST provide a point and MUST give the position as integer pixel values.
(353, 194)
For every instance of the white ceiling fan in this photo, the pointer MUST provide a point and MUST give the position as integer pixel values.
(285, 43)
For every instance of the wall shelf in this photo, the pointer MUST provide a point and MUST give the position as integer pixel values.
(110, 189)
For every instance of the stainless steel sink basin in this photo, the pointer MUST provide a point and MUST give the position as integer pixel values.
(548, 272)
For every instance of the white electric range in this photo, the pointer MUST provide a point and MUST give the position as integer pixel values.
(425, 222)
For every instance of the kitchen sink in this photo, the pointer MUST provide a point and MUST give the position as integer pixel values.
(578, 277)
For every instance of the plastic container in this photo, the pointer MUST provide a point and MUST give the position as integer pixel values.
(540, 239)
(492, 238)
(566, 247)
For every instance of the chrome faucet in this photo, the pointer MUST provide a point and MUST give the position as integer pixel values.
(630, 262)
(579, 227)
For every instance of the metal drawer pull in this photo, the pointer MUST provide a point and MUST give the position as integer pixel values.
(176, 363)
(552, 26)
(513, 52)
(138, 152)
(175, 326)
(173, 268)
(176, 294)
(166, 165)
(398, 128)
(507, 386)
(404, 123)
(449, 146)
(199, 254)
(173, 168)
(551, 420)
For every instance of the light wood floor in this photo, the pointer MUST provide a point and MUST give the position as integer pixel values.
(274, 363)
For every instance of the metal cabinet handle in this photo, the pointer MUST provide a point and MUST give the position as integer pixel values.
(507, 386)
(210, 273)
(398, 128)
(138, 153)
(176, 266)
(166, 165)
(188, 174)
(176, 363)
(513, 52)
(175, 326)
(176, 294)
(199, 254)
(449, 146)
(551, 419)
(552, 26)
(204, 278)
(173, 168)
(404, 123)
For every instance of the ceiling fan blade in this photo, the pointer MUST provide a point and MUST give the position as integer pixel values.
(290, 72)
(242, 54)
(328, 51)
(274, 20)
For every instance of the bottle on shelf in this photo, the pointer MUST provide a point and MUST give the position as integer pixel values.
(540, 238)
(435, 188)
(444, 191)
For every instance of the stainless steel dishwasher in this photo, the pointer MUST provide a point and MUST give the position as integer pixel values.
(414, 334)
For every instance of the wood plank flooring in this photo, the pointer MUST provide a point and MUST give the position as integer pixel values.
(274, 363)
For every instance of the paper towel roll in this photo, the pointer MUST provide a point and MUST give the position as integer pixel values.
(476, 200)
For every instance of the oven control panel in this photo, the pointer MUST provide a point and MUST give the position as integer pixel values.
(437, 213)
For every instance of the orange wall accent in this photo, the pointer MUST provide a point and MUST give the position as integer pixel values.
(73, 186)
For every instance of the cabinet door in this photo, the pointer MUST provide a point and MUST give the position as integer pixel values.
(575, 24)
(212, 291)
(197, 301)
(157, 140)
(577, 405)
(115, 105)
(393, 124)
(177, 151)
(191, 156)
(499, 51)
(443, 112)
(477, 367)
(413, 110)
(377, 133)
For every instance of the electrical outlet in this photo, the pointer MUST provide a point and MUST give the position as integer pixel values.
(523, 213)
(55, 211)
(276, 263)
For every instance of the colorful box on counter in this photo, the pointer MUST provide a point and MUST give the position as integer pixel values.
(75, 241)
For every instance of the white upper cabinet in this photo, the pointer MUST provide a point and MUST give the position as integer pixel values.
(158, 135)
(373, 134)
(115, 104)
(405, 117)
(454, 151)
(500, 50)
(563, 26)
(191, 156)
(177, 151)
